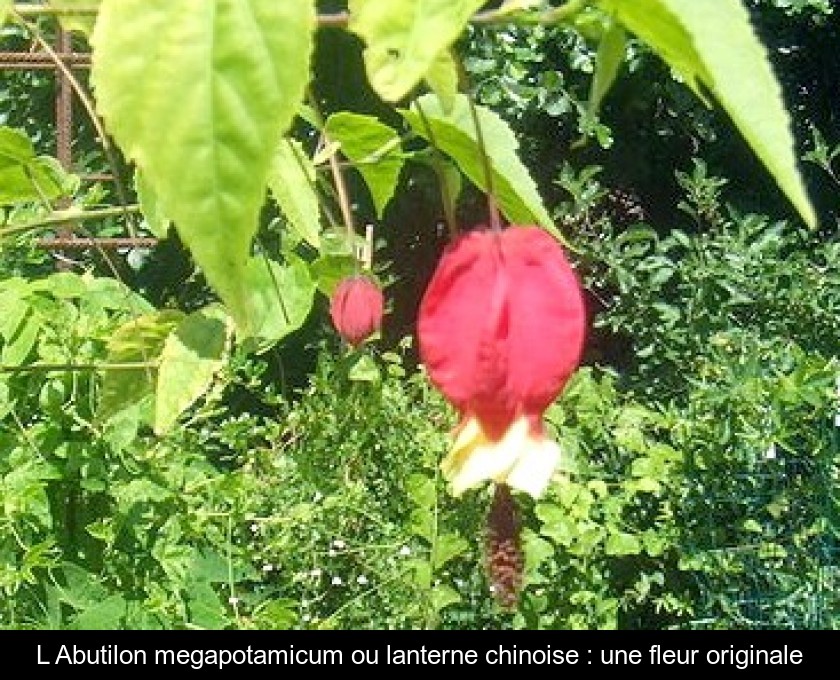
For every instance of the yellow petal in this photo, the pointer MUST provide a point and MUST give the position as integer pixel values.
(519, 459)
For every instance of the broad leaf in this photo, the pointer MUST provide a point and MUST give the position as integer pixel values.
(156, 221)
(713, 46)
(442, 79)
(281, 297)
(455, 134)
(374, 148)
(83, 21)
(26, 177)
(192, 355)
(405, 37)
(292, 182)
(198, 94)
(5, 6)
(141, 340)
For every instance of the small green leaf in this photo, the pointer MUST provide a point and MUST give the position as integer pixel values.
(18, 348)
(442, 596)
(25, 176)
(621, 543)
(199, 94)
(292, 182)
(716, 48)
(455, 135)
(281, 298)
(364, 369)
(374, 149)
(448, 547)
(107, 614)
(192, 355)
(141, 340)
(404, 37)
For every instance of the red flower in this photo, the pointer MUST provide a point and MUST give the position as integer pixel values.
(501, 331)
(356, 309)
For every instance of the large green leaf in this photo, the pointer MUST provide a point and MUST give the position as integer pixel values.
(192, 355)
(198, 94)
(713, 45)
(292, 182)
(141, 340)
(5, 6)
(454, 133)
(405, 37)
(375, 150)
(281, 296)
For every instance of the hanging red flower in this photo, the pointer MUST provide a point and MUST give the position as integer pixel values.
(501, 330)
(356, 308)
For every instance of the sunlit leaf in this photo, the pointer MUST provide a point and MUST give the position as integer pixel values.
(292, 182)
(713, 46)
(140, 341)
(198, 95)
(374, 148)
(405, 37)
(281, 297)
(192, 355)
(455, 134)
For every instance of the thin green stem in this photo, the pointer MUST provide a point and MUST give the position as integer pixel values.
(48, 368)
(59, 217)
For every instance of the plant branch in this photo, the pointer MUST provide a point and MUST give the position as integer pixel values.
(70, 215)
(49, 368)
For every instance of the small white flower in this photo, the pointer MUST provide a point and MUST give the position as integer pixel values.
(338, 544)
(331, 553)
(233, 600)
(255, 528)
(405, 551)
(268, 567)
(315, 573)
(362, 580)
(336, 580)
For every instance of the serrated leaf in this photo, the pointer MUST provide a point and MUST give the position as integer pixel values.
(141, 340)
(292, 183)
(373, 148)
(192, 355)
(221, 82)
(156, 221)
(25, 176)
(83, 21)
(404, 37)
(281, 297)
(716, 47)
(455, 135)
(442, 79)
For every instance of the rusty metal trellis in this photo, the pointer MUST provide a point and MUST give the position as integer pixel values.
(71, 59)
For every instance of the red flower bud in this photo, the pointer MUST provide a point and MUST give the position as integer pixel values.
(356, 309)
(501, 330)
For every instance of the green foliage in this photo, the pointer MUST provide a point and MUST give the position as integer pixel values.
(235, 102)
(405, 38)
(720, 51)
(455, 134)
(292, 182)
(373, 148)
